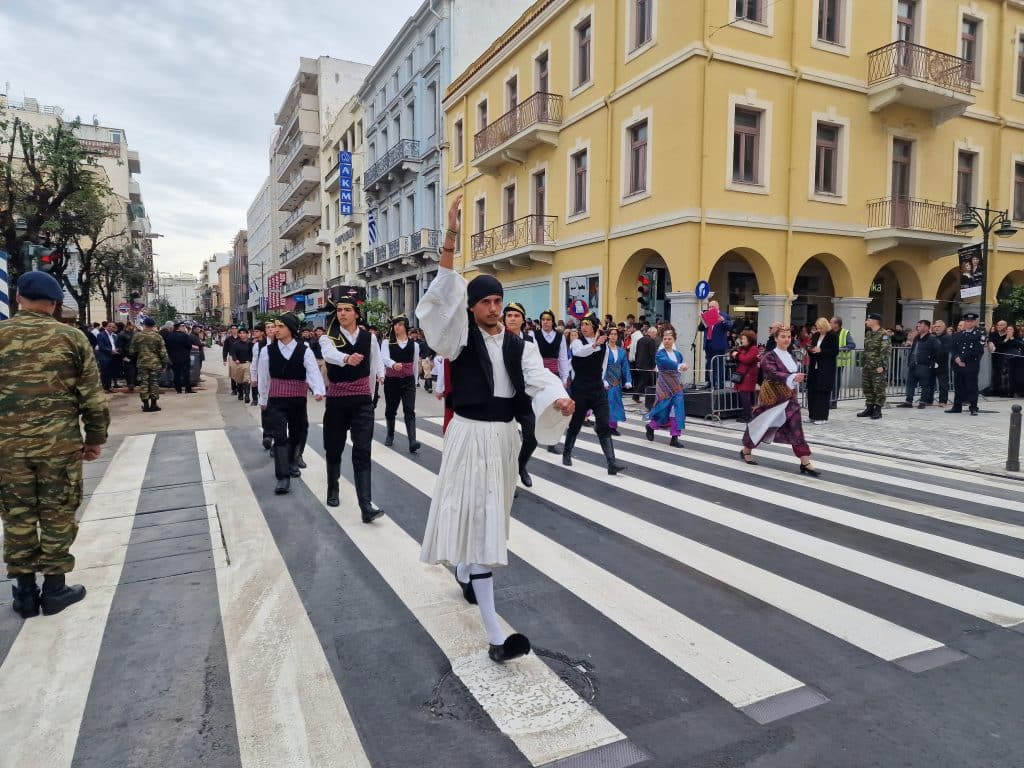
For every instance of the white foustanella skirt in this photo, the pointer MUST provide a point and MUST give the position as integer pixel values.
(469, 511)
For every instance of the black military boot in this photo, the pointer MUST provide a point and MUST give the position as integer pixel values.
(524, 476)
(389, 438)
(26, 596)
(866, 412)
(333, 478)
(369, 511)
(410, 430)
(145, 406)
(234, 387)
(240, 391)
(554, 449)
(282, 468)
(153, 406)
(57, 595)
(298, 456)
(293, 463)
(570, 443)
(609, 455)
(246, 388)
(876, 412)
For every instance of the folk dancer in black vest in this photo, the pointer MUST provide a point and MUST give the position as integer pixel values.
(258, 351)
(352, 358)
(553, 353)
(287, 369)
(401, 360)
(513, 318)
(589, 358)
(241, 354)
(469, 510)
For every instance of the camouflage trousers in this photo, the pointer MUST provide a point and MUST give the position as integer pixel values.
(149, 389)
(874, 384)
(38, 499)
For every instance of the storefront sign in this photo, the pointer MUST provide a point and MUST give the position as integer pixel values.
(275, 283)
(345, 183)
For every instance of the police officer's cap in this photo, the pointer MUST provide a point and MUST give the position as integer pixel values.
(874, 316)
(971, 316)
(40, 285)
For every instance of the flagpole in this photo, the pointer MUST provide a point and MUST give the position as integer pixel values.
(5, 296)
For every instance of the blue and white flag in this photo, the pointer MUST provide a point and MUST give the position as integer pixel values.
(5, 299)
(371, 225)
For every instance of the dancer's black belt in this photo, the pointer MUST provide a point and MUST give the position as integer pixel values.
(495, 409)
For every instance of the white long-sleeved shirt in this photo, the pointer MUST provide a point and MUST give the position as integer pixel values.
(563, 354)
(633, 339)
(385, 351)
(313, 378)
(332, 356)
(438, 375)
(445, 322)
(579, 349)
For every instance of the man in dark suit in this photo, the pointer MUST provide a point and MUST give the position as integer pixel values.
(646, 349)
(179, 349)
(922, 360)
(107, 354)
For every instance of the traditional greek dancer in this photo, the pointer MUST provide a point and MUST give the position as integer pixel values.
(616, 378)
(589, 359)
(669, 390)
(553, 352)
(513, 318)
(287, 370)
(469, 512)
(241, 354)
(401, 357)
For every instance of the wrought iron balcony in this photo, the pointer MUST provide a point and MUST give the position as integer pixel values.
(915, 76)
(404, 155)
(517, 243)
(424, 240)
(534, 121)
(894, 221)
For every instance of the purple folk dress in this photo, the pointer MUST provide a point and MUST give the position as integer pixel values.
(776, 419)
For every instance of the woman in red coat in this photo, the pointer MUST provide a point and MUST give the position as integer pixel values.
(746, 356)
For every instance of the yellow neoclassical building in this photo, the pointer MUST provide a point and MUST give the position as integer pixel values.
(805, 157)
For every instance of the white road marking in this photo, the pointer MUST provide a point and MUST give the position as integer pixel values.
(528, 702)
(54, 657)
(288, 709)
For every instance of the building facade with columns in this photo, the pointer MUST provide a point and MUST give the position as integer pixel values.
(803, 159)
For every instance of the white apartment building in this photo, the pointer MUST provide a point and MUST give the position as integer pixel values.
(208, 281)
(262, 236)
(179, 290)
(320, 88)
(347, 231)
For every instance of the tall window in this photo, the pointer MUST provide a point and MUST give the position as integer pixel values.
(431, 109)
(579, 182)
(541, 63)
(829, 26)
(751, 10)
(826, 160)
(643, 22)
(481, 115)
(481, 214)
(1018, 191)
(906, 19)
(638, 158)
(512, 92)
(510, 208)
(1020, 66)
(965, 162)
(746, 146)
(457, 141)
(969, 33)
(584, 37)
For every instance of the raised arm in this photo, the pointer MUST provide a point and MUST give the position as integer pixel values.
(442, 310)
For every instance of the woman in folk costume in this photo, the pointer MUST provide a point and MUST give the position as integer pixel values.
(777, 415)
(616, 378)
(490, 371)
(669, 390)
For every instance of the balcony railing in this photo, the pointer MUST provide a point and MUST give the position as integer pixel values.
(903, 59)
(303, 284)
(406, 149)
(539, 108)
(306, 247)
(910, 213)
(308, 210)
(424, 239)
(526, 231)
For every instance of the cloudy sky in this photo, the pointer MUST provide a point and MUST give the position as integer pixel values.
(194, 84)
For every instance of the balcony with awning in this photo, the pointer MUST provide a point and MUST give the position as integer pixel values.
(907, 221)
(535, 121)
(911, 75)
(516, 244)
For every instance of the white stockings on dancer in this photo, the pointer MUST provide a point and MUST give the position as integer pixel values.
(462, 573)
(483, 588)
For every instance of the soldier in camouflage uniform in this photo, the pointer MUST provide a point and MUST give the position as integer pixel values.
(150, 355)
(875, 362)
(50, 381)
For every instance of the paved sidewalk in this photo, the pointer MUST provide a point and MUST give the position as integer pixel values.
(976, 443)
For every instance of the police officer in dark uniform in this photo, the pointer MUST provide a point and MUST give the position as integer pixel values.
(968, 348)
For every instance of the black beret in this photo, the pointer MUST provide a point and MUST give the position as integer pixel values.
(874, 316)
(40, 285)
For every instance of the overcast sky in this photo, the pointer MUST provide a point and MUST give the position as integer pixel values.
(194, 84)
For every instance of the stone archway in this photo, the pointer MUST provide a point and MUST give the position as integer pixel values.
(1012, 280)
(819, 281)
(894, 281)
(650, 263)
(948, 296)
(737, 277)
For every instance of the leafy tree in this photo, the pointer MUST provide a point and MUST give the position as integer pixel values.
(162, 310)
(92, 228)
(266, 317)
(117, 268)
(1011, 305)
(376, 312)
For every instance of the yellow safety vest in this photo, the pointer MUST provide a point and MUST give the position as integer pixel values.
(845, 357)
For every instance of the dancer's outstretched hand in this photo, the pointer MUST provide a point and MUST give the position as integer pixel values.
(565, 406)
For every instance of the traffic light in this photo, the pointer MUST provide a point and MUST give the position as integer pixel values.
(643, 291)
(47, 259)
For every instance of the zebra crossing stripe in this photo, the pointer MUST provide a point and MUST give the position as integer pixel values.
(913, 507)
(964, 599)
(745, 681)
(567, 727)
(56, 657)
(288, 709)
(870, 633)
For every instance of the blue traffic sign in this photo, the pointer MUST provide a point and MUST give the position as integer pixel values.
(703, 290)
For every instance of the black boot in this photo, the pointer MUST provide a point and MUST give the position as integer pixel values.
(153, 407)
(674, 442)
(876, 412)
(515, 645)
(26, 596)
(268, 444)
(293, 466)
(609, 454)
(866, 412)
(234, 387)
(366, 505)
(57, 595)
(524, 477)
(282, 467)
(410, 430)
(554, 449)
(333, 475)
(240, 391)
(145, 406)
(389, 439)
(570, 443)
(298, 456)
(246, 388)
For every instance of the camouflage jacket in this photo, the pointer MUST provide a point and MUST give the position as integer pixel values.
(48, 380)
(148, 350)
(877, 345)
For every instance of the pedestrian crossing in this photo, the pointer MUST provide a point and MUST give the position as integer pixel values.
(674, 609)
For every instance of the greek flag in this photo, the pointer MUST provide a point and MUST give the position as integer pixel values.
(5, 305)
(371, 225)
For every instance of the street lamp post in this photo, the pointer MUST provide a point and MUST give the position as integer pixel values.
(988, 219)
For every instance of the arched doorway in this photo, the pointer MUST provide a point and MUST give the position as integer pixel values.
(737, 277)
(948, 296)
(894, 281)
(821, 278)
(650, 264)
(1002, 309)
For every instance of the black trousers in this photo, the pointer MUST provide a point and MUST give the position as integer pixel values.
(286, 420)
(182, 374)
(942, 384)
(344, 416)
(528, 423)
(400, 390)
(589, 399)
(106, 372)
(924, 377)
(965, 381)
(817, 404)
(131, 373)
